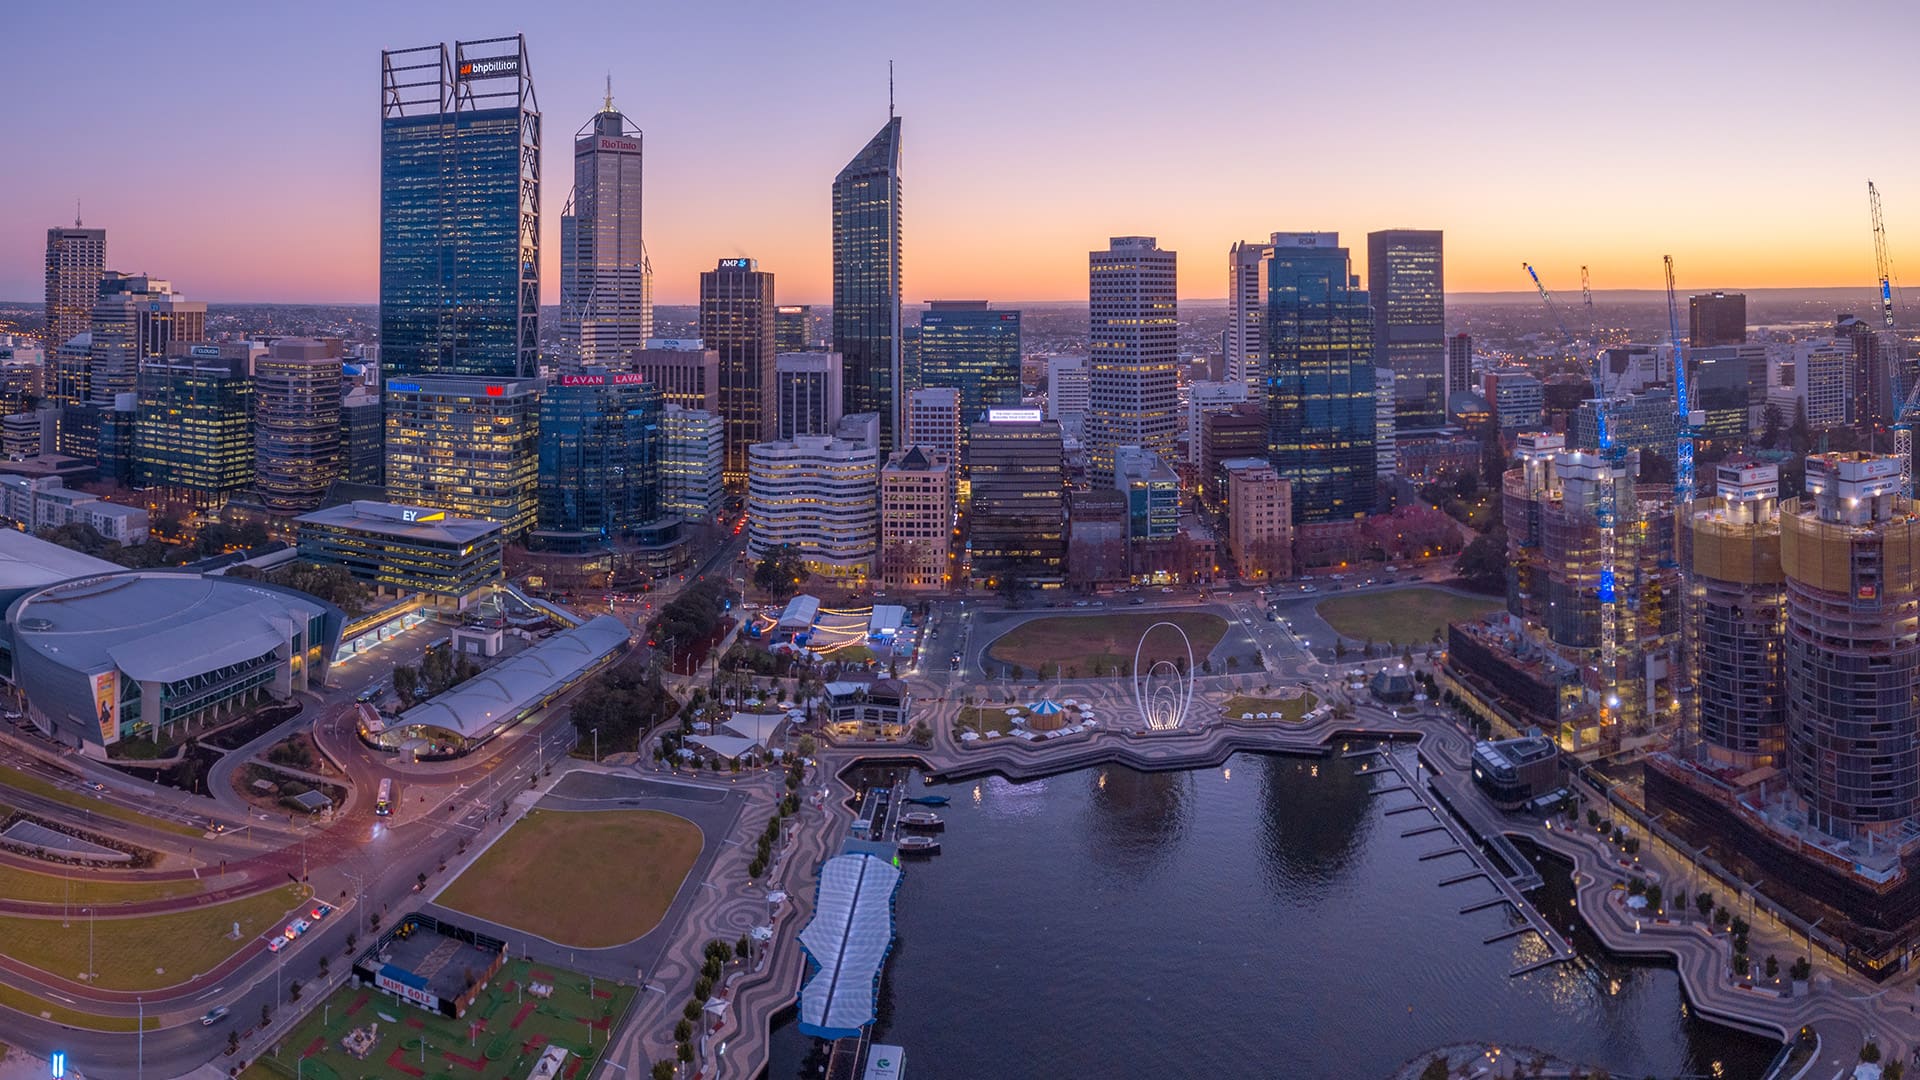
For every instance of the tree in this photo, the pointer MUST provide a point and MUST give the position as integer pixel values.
(682, 1031)
(1436, 1069)
(233, 1042)
(663, 1070)
(1773, 966)
(406, 683)
(1704, 902)
(684, 1053)
(1483, 565)
(1772, 424)
(780, 573)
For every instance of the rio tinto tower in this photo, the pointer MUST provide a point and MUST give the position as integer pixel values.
(606, 282)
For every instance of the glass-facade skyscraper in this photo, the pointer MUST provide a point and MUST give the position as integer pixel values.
(974, 349)
(1319, 380)
(867, 280)
(459, 211)
(1405, 279)
(599, 453)
(736, 322)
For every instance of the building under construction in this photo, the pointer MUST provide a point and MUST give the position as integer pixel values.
(1556, 562)
(1806, 772)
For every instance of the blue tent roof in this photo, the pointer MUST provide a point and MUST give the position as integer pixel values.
(1045, 707)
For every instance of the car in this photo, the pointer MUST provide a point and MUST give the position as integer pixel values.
(1136, 600)
(96, 785)
(214, 1015)
(1309, 588)
(276, 943)
(1166, 588)
(320, 912)
(955, 661)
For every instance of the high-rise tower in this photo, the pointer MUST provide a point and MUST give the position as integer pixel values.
(296, 423)
(1321, 408)
(460, 277)
(76, 258)
(867, 280)
(1133, 349)
(736, 322)
(1246, 337)
(606, 280)
(1405, 279)
(459, 211)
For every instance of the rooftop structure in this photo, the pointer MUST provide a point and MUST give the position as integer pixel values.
(405, 549)
(848, 941)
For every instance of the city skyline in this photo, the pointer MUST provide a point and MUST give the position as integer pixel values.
(1519, 155)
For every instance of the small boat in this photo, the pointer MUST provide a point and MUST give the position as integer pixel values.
(918, 845)
(930, 800)
(922, 819)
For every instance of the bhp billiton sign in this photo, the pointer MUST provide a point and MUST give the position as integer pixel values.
(492, 68)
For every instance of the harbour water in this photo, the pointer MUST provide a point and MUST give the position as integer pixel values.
(1265, 918)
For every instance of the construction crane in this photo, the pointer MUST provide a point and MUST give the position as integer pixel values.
(1553, 309)
(1883, 267)
(1586, 295)
(1605, 512)
(1683, 452)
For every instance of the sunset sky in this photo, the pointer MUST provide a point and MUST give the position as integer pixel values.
(234, 148)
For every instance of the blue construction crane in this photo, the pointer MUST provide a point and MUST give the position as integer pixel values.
(1683, 452)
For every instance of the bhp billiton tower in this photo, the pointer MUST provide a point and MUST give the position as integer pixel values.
(460, 277)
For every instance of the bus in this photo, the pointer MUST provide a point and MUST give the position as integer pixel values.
(384, 804)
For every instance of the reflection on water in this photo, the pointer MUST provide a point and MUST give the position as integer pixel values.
(1260, 919)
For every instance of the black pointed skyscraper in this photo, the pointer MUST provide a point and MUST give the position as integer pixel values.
(866, 280)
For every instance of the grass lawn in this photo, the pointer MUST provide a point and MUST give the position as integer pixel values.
(21, 1001)
(34, 785)
(1290, 709)
(1403, 616)
(146, 952)
(1080, 644)
(81, 888)
(509, 1031)
(587, 879)
(983, 720)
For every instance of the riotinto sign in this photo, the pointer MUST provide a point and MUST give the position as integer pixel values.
(494, 67)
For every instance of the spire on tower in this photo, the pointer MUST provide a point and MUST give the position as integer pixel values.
(76, 213)
(889, 89)
(609, 105)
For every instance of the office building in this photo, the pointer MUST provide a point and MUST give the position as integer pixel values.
(808, 393)
(1517, 398)
(1205, 397)
(193, 440)
(1152, 491)
(1406, 284)
(296, 423)
(1720, 384)
(916, 520)
(1459, 363)
(29, 434)
(71, 376)
(1716, 318)
(1259, 519)
(1738, 609)
(867, 281)
(467, 446)
(1640, 422)
(1877, 378)
(1321, 392)
(1239, 431)
(692, 458)
(933, 421)
(793, 329)
(45, 502)
(363, 437)
(459, 212)
(599, 454)
(968, 346)
(402, 549)
(606, 281)
(1852, 661)
(23, 372)
(686, 372)
(136, 319)
(736, 322)
(1069, 393)
(76, 258)
(1133, 349)
(1245, 340)
(1017, 502)
(818, 496)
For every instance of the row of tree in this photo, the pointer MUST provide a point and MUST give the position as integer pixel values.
(623, 705)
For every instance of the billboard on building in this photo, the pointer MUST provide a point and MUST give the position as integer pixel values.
(106, 705)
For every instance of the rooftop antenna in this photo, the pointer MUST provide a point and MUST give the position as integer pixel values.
(76, 213)
(609, 105)
(889, 89)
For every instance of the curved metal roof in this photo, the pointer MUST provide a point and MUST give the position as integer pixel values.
(851, 931)
(476, 706)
